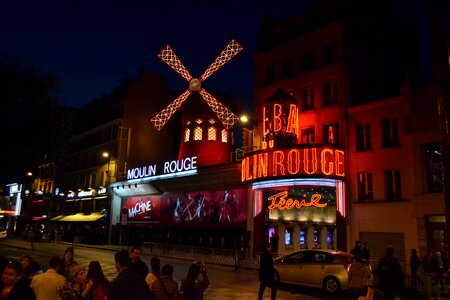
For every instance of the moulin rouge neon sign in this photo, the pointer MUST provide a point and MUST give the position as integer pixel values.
(293, 162)
(279, 201)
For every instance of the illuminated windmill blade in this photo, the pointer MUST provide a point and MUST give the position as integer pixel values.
(226, 116)
(160, 119)
(230, 51)
(169, 57)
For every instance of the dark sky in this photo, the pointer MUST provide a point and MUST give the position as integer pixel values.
(90, 46)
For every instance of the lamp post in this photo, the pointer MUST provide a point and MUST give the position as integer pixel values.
(106, 155)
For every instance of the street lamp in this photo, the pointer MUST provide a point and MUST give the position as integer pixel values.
(106, 155)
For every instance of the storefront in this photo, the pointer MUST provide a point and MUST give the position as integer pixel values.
(299, 195)
(298, 188)
(184, 205)
(85, 218)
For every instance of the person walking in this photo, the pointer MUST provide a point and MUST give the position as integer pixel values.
(97, 285)
(137, 264)
(32, 236)
(239, 254)
(192, 288)
(11, 287)
(165, 288)
(390, 275)
(431, 273)
(266, 273)
(120, 286)
(358, 277)
(47, 286)
(365, 252)
(274, 239)
(414, 263)
(356, 250)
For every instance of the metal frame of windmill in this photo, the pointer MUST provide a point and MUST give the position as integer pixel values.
(227, 117)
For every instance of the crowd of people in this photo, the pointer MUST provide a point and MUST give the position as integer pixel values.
(429, 277)
(65, 279)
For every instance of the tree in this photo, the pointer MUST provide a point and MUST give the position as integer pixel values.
(34, 127)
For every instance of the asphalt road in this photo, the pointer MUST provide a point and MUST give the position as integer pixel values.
(225, 283)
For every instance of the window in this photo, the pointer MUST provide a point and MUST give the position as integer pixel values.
(363, 142)
(224, 136)
(433, 164)
(270, 74)
(307, 61)
(212, 133)
(392, 185)
(329, 52)
(187, 134)
(288, 233)
(212, 121)
(198, 133)
(330, 92)
(390, 132)
(286, 69)
(199, 121)
(365, 187)
(93, 180)
(331, 133)
(308, 98)
(308, 136)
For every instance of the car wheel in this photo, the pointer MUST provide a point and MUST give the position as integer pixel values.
(331, 285)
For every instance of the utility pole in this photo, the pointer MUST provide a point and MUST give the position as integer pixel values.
(439, 34)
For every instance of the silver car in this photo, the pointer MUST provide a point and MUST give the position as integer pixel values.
(319, 268)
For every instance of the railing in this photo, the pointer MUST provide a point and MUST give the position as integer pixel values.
(226, 257)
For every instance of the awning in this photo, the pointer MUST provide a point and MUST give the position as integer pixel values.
(80, 217)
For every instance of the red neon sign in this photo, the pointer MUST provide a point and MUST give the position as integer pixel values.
(279, 201)
(294, 162)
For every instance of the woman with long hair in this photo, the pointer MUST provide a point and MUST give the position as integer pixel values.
(192, 288)
(68, 262)
(97, 285)
(11, 285)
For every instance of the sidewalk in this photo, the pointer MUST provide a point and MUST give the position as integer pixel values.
(223, 257)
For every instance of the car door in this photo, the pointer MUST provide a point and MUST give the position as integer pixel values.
(290, 268)
(315, 267)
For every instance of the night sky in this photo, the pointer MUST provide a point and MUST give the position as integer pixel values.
(90, 46)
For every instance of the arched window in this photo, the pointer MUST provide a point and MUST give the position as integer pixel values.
(187, 133)
(198, 133)
(224, 136)
(212, 133)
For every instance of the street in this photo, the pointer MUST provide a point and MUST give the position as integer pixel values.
(225, 283)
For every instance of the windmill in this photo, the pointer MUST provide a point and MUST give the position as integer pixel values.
(227, 117)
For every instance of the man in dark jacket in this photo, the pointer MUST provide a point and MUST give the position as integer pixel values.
(137, 264)
(128, 284)
(266, 273)
(390, 275)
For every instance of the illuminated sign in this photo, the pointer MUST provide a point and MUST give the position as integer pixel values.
(140, 208)
(279, 119)
(279, 201)
(168, 167)
(101, 191)
(294, 162)
(307, 203)
(84, 193)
